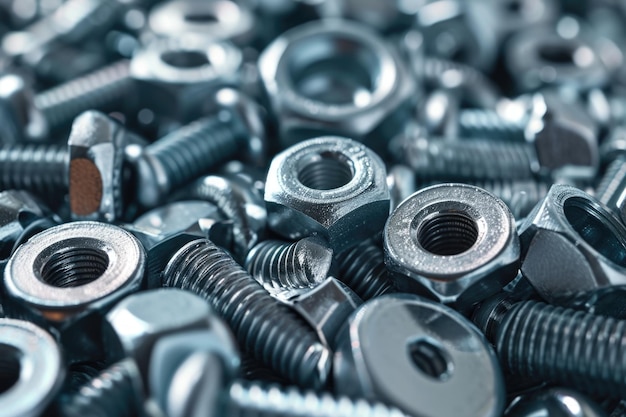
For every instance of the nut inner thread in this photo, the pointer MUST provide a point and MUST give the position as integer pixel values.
(73, 267)
(327, 171)
(185, 59)
(595, 229)
(429, 358)
(557, 54)
(448, 233)
(9, 367)
(204, 17)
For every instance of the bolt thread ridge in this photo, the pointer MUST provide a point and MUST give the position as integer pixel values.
(99, 90)
(488, 124)
(268, 330)
(613, 182)
(565, 346)
(521, 196)
(280, 265)
(110, 394)
(362, 268)
(38, 168)
(195, 148)
(469, 160)
(251, 399)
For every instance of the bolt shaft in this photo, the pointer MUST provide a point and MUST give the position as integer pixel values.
(488, 124)
(267, 329)
(38, 168)
(612, 188)
(362, 268)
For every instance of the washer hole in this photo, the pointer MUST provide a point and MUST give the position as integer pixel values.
(448, 233)
(430, 359)
(592, 225)
(205, 17)
(558, 54)
(326, 171)
(9, 367)
(74, 266)
(185, 59)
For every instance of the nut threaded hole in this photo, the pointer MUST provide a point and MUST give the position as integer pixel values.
(73, 267)
(327, 171)
(9, 367)
(185, 59)
(448, 233)
(429, 358)
(557, 54)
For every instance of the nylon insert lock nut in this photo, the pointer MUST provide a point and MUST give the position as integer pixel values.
(335, 77)
(453, 242)
(586, 243)
(330, 186)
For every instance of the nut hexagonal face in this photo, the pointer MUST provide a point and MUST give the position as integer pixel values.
(334, 77)
(412, 353)
(454, 241)
(586, 242)
(329, 186)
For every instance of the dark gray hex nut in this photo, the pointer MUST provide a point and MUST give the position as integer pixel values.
(562, 133)
(411, 353)
(330, 186)
(68, 276)
(454, 242)
(174, 77)
(334, 77)
(586, 243)
(97, 145)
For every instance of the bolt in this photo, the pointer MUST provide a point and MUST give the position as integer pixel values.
(569, 347)
(266, 328)
(612, 188)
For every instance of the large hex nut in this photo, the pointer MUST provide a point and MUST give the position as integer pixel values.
(330, 186)
(412, 353)
(338, 78)
(586, 243)
(454, 242)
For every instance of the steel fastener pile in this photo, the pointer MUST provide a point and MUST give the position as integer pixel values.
(313, 208)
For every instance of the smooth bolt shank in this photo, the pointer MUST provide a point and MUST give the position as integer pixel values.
(263, 326)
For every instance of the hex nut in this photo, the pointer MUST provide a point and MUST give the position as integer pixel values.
(333, 77)
(329, 186)
(66, 276)
(139, 321)
(454, 242)
(586, 242)
(412, 353)
(96, 147)
(32, 368)
(174, 77)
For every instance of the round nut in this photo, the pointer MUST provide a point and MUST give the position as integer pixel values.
(330, 186)
(419, 356)
(31, 368)
(335, 77)
(587, 244)
(456, 242)
(73, 268)
(539, 57)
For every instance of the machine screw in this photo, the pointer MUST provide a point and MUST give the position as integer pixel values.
(268, 329)
(35, 167)
(573, 348)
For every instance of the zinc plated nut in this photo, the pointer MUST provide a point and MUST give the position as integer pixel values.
(330, 186)
(455, 242)
(32, 368)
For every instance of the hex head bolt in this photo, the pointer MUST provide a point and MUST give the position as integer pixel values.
(263, 326)
(569, 347)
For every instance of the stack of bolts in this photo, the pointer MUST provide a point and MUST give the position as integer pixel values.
(380, 211)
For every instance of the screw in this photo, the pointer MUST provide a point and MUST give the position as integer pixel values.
(34, 167)
(612, 188)
(266, 328)
(490, 124)
(569, 347)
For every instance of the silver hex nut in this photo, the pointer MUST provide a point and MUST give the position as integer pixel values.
(586, 243)
(335, 77)
(330, 186)
(453, 242)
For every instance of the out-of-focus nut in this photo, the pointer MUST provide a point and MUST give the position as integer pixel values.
(586, 243)
(336, 78)
(455, 242)
(31, 368)
(330, 186)
(411, 353)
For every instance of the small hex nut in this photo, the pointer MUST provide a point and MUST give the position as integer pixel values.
(587, 244)
(175, 77)
(330, 186)
(453, 242)
(335, 77)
